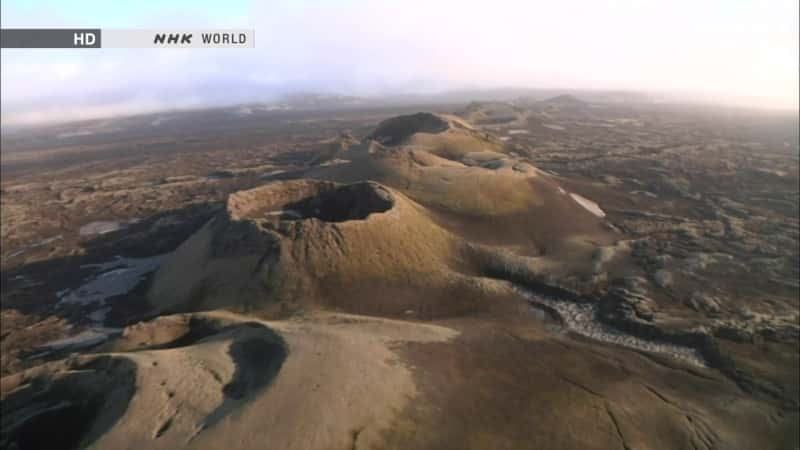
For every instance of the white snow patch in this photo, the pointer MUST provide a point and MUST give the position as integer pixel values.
(284, 212)
(99, 227)
(590, 206)
(116, 277)
(272, 173)
(335, 162)
(46, 241)
(81, 340)
(85, 339)
(645, 193)
(16, 252)
(41, 243)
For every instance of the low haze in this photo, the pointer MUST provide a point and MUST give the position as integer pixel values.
(736, 52)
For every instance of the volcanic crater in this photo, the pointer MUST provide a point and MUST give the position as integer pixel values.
(325, 201)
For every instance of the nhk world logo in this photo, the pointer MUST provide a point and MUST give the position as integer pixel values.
(213, 38)
(99, 38)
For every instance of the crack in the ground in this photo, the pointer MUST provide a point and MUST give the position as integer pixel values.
(616, 427)
(579, 385)
(700, 430)
(663, 398)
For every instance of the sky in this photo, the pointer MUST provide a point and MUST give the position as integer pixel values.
(741, 52)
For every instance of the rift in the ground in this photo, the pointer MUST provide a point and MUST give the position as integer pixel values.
(538, 273)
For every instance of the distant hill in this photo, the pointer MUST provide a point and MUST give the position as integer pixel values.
(319, 101)
(565, 100)
(490, 113)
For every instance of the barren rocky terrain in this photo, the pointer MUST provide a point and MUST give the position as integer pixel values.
(554, 274)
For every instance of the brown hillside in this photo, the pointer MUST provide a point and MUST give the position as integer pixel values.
(285, 246)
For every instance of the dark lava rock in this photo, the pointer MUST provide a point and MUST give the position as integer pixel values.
(397, 129)
(219, 174)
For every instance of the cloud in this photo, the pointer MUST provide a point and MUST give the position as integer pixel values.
(745, 53)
